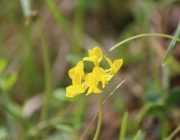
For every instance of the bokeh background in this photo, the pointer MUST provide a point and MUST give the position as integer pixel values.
(68, 28)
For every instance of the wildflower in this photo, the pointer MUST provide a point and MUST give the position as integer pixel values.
(92, 82)
(79, 68)
(101, 75)
(115, 65)
(95, 56)
(81, 81)
(77, 86)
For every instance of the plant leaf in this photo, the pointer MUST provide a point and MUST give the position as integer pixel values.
(123, 126)
(3, 65)
(137, 135)
(9, 81)
(172, 46)
(173, 97)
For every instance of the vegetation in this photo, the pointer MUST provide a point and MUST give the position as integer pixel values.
(41, 41)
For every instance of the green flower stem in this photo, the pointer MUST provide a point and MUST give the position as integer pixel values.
(99, 119)
(143, 35)
(47, 96)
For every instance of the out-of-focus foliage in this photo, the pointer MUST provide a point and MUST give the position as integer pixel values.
(67, 29)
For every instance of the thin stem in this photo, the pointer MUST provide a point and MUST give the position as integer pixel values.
(98, 111)
(173, 133)
(47, 96)
(100, 118)
(143, 35)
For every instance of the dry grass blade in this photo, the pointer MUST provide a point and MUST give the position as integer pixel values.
(102, 106)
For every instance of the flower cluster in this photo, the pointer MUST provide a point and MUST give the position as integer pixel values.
(82, 81)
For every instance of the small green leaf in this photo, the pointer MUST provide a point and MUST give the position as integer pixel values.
(172, 46)
(3, 133)
(9, 81)
(3, 65)
(123, 126)
(154, 97)
(156, 109)
(173, 97)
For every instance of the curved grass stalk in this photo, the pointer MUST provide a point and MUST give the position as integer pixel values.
(143, 35)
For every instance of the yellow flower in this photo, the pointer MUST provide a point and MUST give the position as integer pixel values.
(115, 65)
(81, 81)
(77, 86)
(101, 75)
(79, 68)
(92, 83)
(95, 56)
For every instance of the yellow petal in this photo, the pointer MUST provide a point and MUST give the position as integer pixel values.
(114, 66)
(91, 80)
(99, 72)
(72, 90)
(101, 75)
(105, 79)
(95, 56)
(91, 58)
(79, 68)
(97, 52)
(93, 90)
(108, 60)
(76, 79)
(92, 83)
(117, 64)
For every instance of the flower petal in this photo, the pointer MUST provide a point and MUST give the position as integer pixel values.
(95, 56)
(93, 90)
(92, 83)
(91, 58)
(76, 79)
(97, 52)
(72, 90)
(102, 76)
(99, 72)
(117, 64)
(79, 68)
(109, 61)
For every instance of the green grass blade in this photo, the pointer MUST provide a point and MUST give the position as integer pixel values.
(173, 133)
(47, 75)
(78, 26)
(172, 46)
(123, 126)
(137, 135)
(59, 17)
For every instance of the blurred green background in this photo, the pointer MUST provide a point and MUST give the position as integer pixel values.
(41, 40)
